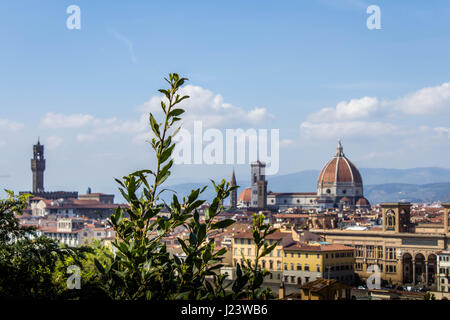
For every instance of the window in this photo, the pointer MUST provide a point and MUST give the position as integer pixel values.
(370, 251)
(318, 268)
(249, 251)
(390, 253)
(264, 264)
(292, 279)
(306, 255)
(306, 267)
(278, 253)
(359, 251)
(328, 191)
(286, 279)
(380, 252)
(242, 241)
(299, 255)
(285, 266)
(278, 265)
(249, 241)
(299, 267)
(318, 256)
(270, 264)
(292, 255)
(292, 266)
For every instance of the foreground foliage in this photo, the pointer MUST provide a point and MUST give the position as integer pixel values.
(28, 262)
(142, 268)
(139, 266)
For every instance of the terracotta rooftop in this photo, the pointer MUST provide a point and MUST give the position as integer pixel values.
(301, 246)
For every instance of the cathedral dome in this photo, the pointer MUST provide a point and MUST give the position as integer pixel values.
(245, 196)
(339, 170)
(362, 202)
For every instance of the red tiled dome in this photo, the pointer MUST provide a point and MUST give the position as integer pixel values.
(339, 169)
(362, 202)
(245, 195)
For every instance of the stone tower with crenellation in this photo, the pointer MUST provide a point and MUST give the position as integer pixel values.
(38, 167)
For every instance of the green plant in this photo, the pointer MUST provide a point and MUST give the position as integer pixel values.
(429, 296)
(250, 275)
(142, 267)
(28, 260)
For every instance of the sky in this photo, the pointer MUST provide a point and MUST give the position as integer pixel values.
(311, 69)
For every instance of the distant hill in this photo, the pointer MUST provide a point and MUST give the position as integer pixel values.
(307, 180)
(380, 185)
(408, 192)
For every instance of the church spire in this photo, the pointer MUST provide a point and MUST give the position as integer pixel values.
(233, 197)
(233, 179)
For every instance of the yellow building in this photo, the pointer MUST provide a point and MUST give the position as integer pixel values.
(296, 262)
(305, 262)
(404, 253)
(243, 246)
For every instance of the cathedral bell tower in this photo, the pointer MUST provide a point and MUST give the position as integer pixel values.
(38, 167)
(259, 185)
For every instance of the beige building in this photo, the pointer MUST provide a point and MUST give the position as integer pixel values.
(443, 261)
(405, 253)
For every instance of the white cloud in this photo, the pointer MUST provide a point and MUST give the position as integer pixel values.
(9, 125)
(369, 116)
(442, 131)
(354, 109)
(95, 126)
(61, 121)
(203, 105)
(82, 137)
(54, 142)
(326, 130)
(287, 143)
(431, 100)
(210, 108)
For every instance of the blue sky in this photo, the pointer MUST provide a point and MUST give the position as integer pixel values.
(309, 68)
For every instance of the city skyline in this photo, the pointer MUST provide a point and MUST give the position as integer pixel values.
(385, 92)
